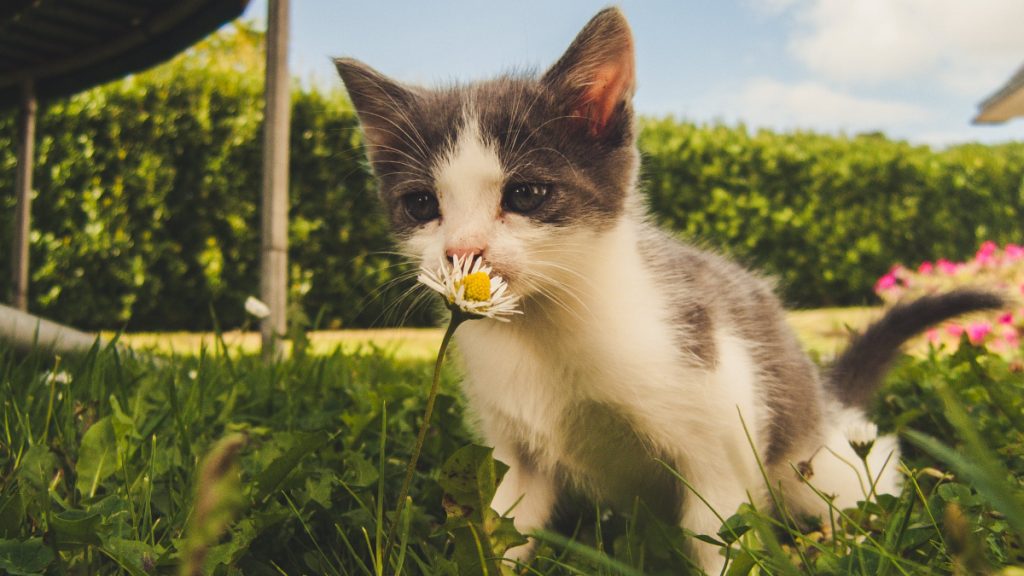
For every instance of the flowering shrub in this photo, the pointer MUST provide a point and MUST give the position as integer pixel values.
(995, 268)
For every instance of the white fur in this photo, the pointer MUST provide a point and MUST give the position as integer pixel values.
(838, 473)
(603, 335)
(468, 184)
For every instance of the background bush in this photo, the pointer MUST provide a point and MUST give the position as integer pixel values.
(827, 215)
(147, 212)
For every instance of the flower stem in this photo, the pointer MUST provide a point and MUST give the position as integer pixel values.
(871, 479)
(457, 318)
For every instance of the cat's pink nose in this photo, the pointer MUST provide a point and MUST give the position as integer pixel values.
(464, 253)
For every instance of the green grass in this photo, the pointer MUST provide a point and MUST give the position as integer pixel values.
(401, 343)
(136, 465)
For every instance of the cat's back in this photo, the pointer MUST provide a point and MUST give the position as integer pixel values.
(710, 295)
(701, 282)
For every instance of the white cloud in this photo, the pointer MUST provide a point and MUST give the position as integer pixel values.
(772, 6)
(813, 105)
(969, 47)
(988, 134)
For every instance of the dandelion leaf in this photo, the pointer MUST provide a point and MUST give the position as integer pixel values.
(25, 558)
(97, 458)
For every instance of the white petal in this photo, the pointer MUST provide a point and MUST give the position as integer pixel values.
(431, 283)
(256, 307)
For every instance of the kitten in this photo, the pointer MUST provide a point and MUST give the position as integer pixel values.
(633, 347)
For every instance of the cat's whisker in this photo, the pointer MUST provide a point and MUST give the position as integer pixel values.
(380, 292)
(566, 270)
(562, 255)
(404, 136)
(563, 156)
(405, 268)
(524, 117)
(522, 145)
(417, 162)
(405, 303)
(420, 299)
(356, 153)
(392, 283)
(420, 181)
(403, 114)
(406, 273)
(396, 253)
(549, 288)
(413, 169)
(522, 123)
(580, 306)
(400, 111)
(512, 114)
(551, 299)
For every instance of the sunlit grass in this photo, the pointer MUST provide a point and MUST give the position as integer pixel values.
(402, 343)
(823, 332)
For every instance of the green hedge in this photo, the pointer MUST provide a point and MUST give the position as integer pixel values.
(828, 215)
(147, 212)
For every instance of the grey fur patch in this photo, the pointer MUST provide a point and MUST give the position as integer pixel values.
(695, 334)
(528, 460)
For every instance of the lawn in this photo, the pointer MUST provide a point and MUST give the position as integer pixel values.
(822, 331)
(213, 462)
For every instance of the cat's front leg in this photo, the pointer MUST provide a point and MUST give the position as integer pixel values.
(713, 498)
(527, 495)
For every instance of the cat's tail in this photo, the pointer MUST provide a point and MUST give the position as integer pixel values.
(859, 370)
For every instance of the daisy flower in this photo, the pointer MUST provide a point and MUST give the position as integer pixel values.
(472, 290)
(862, 436)
(470, 286)
(60, 377)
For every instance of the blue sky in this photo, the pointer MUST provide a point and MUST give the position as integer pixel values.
(913, 69)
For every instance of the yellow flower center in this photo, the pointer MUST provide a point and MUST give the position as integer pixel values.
(478, 286)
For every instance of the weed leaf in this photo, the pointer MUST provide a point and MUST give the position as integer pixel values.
(24, 558)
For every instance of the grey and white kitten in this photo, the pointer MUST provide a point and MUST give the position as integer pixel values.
(633, 348)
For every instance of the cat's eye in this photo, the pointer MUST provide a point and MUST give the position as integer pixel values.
(421, 206)
(524, 198)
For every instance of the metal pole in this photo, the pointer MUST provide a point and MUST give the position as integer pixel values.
(274, 243)
(24, 331)
(23, 192)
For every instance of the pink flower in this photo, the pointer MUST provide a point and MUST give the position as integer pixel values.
(886, 282)
(954, 330)
(933, 336)
(977, 332)
(946, 266)
(925, 268)
(1006, 319)
(1011, 336)
(1013, 252)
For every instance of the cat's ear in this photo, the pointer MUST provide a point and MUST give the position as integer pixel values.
(380, 102)
(596, 75)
